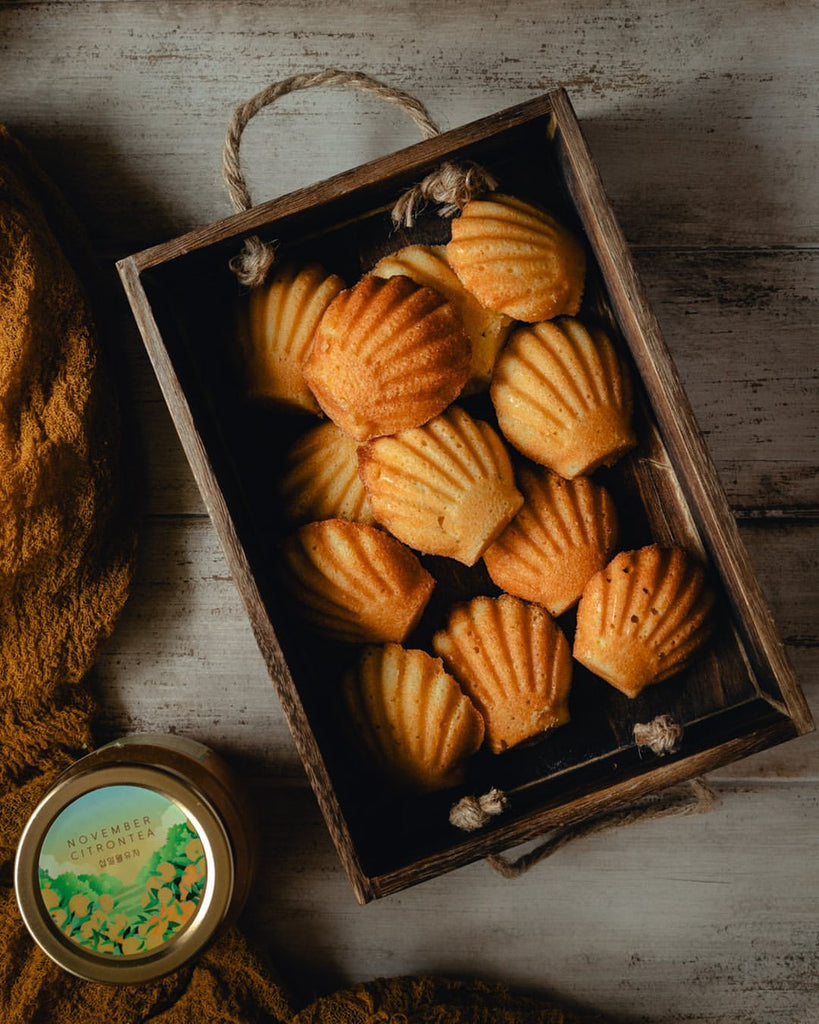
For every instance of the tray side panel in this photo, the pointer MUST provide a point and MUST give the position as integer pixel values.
(586, 805)
(696, 471)
(242, 573)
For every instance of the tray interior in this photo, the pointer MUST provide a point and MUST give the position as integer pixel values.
(722, 696)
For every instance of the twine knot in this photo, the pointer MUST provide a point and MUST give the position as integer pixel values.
(471, 813)
(662, 735)
(451, 185)
(253, 261)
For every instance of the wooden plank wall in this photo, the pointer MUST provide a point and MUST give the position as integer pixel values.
(703, 120)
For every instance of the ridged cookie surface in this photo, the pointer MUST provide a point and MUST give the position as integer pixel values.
(388, 355)
(354, 582)
(411, 717)
(320, 479)
(446, 488)
(427, 265)
(517, 259)
(565, 532)
(275, 327)
(563, 397)
(512, 659)
(644, 617)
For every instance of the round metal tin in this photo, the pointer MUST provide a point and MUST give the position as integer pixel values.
(134, 859)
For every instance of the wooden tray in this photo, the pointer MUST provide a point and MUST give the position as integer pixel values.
(740, 698)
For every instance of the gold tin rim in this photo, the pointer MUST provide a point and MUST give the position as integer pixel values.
(180, 948)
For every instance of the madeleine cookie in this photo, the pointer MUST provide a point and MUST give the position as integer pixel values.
(487, 330)
(563, 397)
(446, 488)
(517, 259)
(565, 532)
(644, 617)
(387, 356)
(275, 331)
(412, 719)
(321, 480)
(354, 582)
(513, 661)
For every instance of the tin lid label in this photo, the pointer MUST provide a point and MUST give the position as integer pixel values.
(122, 871)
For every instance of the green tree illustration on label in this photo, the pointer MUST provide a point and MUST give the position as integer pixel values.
(122, 871)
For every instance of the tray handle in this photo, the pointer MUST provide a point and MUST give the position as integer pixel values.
(662, 736)
(450, 184)
(693, 797)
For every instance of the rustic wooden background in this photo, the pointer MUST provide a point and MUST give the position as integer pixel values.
(703, 119)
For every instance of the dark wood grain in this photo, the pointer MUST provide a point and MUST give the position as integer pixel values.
(740, 698)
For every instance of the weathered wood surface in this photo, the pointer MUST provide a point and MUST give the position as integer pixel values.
(703, 920)
(703, 120)
(698, 111)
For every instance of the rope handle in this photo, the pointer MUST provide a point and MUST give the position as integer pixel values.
(694, 797)
(662, 736)
(451, 184)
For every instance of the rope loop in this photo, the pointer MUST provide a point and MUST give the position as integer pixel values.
(451, 184)
(694, 797)
(662, 735)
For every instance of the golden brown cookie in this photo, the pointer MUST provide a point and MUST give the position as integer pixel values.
(427, 265)
(446, 488)
(275, 331)
(354, 582)
(517, 259)
(565, 532)
(563, 397)
(321, 481)
(512, 659)
(412, 718)
(644, 617)
(387, 356)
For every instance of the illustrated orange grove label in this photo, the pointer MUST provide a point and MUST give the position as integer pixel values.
(122, 871)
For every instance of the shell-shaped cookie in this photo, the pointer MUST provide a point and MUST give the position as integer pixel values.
(446, 488)
(354, 582)
(513, 661)
(563, 397)
(275, 328)
(387, 356)
(427, 265)
(643, 617)
(321, 481)
(412, 718)
(517, 259)
(564, 534)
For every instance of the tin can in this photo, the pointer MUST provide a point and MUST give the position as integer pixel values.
(135, 859)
